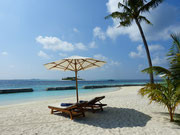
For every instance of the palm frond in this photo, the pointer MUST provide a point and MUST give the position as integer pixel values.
(142, 18)
(157, 70)
(120, 15)
(175, 67)
(167, 94)
(176, 38)
(149, 5)
(174, 56)
(175, 48)
(125, 7)
(125, 23)
(154, 92)
(135, 4)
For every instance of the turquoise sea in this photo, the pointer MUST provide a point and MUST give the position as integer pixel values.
(40, 93)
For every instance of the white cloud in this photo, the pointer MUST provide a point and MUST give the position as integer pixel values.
(80, 46)
(157, 53)
(92, 45)
(43, 55)
(112, 5)
(63, 54)
(75, 30)
(100, 57)
(109, 62)
(114, 31)
(159, 61)
(114, 63)
(155, 48)
(56, 44)
(163, 19)
(97, 32)
(139, 53)
(4, 53)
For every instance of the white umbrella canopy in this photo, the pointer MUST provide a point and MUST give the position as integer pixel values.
(75, 63)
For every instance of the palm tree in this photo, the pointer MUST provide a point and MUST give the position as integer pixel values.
(167, 93)
(132, 11)
(174, 56)
(175, 49)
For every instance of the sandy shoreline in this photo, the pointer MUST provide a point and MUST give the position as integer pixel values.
(126, 113)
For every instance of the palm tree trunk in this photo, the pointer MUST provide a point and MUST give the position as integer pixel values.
(147, 49)
(171, 114)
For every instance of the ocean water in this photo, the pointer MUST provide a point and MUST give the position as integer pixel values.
(40, 93)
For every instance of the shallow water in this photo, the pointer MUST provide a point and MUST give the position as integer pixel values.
(40, 93)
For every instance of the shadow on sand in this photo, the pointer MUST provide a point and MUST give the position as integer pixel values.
(176, 117)
(113, 117)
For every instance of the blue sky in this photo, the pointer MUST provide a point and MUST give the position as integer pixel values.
(35, 32)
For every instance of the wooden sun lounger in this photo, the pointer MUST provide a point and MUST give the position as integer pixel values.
(74, 110)
(95, 104)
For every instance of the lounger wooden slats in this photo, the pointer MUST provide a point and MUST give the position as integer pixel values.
(95, 104)
(75, 110)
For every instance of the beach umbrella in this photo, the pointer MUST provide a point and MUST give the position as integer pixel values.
(75, 63)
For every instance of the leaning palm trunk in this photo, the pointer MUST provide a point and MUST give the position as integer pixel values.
(171, 113)
(132, 10)
(147, 50)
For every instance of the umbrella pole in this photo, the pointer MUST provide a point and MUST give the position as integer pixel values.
(76, 87)
(76, 82)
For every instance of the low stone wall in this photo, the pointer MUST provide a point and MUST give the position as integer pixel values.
(108, 86)
(61, 88)
(6, 91)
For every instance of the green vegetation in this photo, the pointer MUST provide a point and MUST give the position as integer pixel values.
(174, 56)
(167, 93)
(71, 78)
(132, 10)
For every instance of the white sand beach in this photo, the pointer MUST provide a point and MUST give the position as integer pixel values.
(126, 114)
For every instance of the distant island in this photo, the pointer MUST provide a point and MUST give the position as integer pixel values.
(71, 78)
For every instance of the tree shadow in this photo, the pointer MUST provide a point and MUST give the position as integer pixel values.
(113, 117)
(176, 117)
